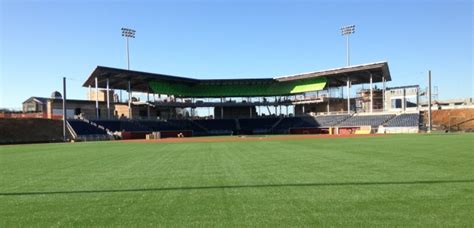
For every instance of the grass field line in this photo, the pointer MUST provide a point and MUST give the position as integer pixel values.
(423, 182)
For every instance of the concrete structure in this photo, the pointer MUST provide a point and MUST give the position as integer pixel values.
(403, 98)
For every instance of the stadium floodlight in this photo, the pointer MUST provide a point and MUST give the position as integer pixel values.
(346, 31)
(128, 33)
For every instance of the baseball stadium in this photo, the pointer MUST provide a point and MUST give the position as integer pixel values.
(294, 150)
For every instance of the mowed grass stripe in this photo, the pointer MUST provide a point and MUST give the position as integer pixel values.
(392, 180)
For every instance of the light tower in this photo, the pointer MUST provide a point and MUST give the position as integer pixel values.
(346, 31)
(128, 33)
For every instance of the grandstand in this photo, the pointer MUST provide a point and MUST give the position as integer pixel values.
(167, 96)
(243, 106)
(305, 103)
(248, 126)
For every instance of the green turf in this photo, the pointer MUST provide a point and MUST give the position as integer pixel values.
(395, 180)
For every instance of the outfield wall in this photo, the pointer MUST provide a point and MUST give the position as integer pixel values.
(30, 131)
(397, 130)
(163, 134)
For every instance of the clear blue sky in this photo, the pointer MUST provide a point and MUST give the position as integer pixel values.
(42, 41)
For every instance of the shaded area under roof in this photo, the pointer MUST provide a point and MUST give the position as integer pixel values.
(140, 81)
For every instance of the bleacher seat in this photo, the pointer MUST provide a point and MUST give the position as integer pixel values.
(308, 122)
(121, 125)
(295, 122)
(330, 120)
(248, 125)
(84, 128)
(218, 126)
(366, 120)
(404, 120)
(257, 125)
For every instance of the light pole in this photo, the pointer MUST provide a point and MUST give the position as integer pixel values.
(346, 31)
(127, 33)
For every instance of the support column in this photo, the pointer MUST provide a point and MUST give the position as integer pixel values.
(96, 99)
(108, 98)
(148, 104)
(287, 111)
(371, 95)
(348, 97)
(383, 93)
(129, 99)
(250, 111)
(404, 101)
(222, 112)
(328, 97)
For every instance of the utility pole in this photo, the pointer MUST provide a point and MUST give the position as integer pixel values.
(430, 126)
(64, 110)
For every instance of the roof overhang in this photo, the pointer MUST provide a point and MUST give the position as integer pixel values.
(139, 81)
(119, 78)
(357, 74)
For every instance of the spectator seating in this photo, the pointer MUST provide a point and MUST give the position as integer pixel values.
(218, 126)
(330, 120)
(84, 128)
(247, 125)
(182, 125)
(295, 122)
(257, 125)
(153, 125)
(404, 120)
(366, 120)
(121, 125)
(309, 122)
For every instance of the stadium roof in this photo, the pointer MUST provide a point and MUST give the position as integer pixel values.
(359, 74)
(44, 100)
(141, 81)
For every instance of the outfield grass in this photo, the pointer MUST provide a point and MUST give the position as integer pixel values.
(394, 180)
